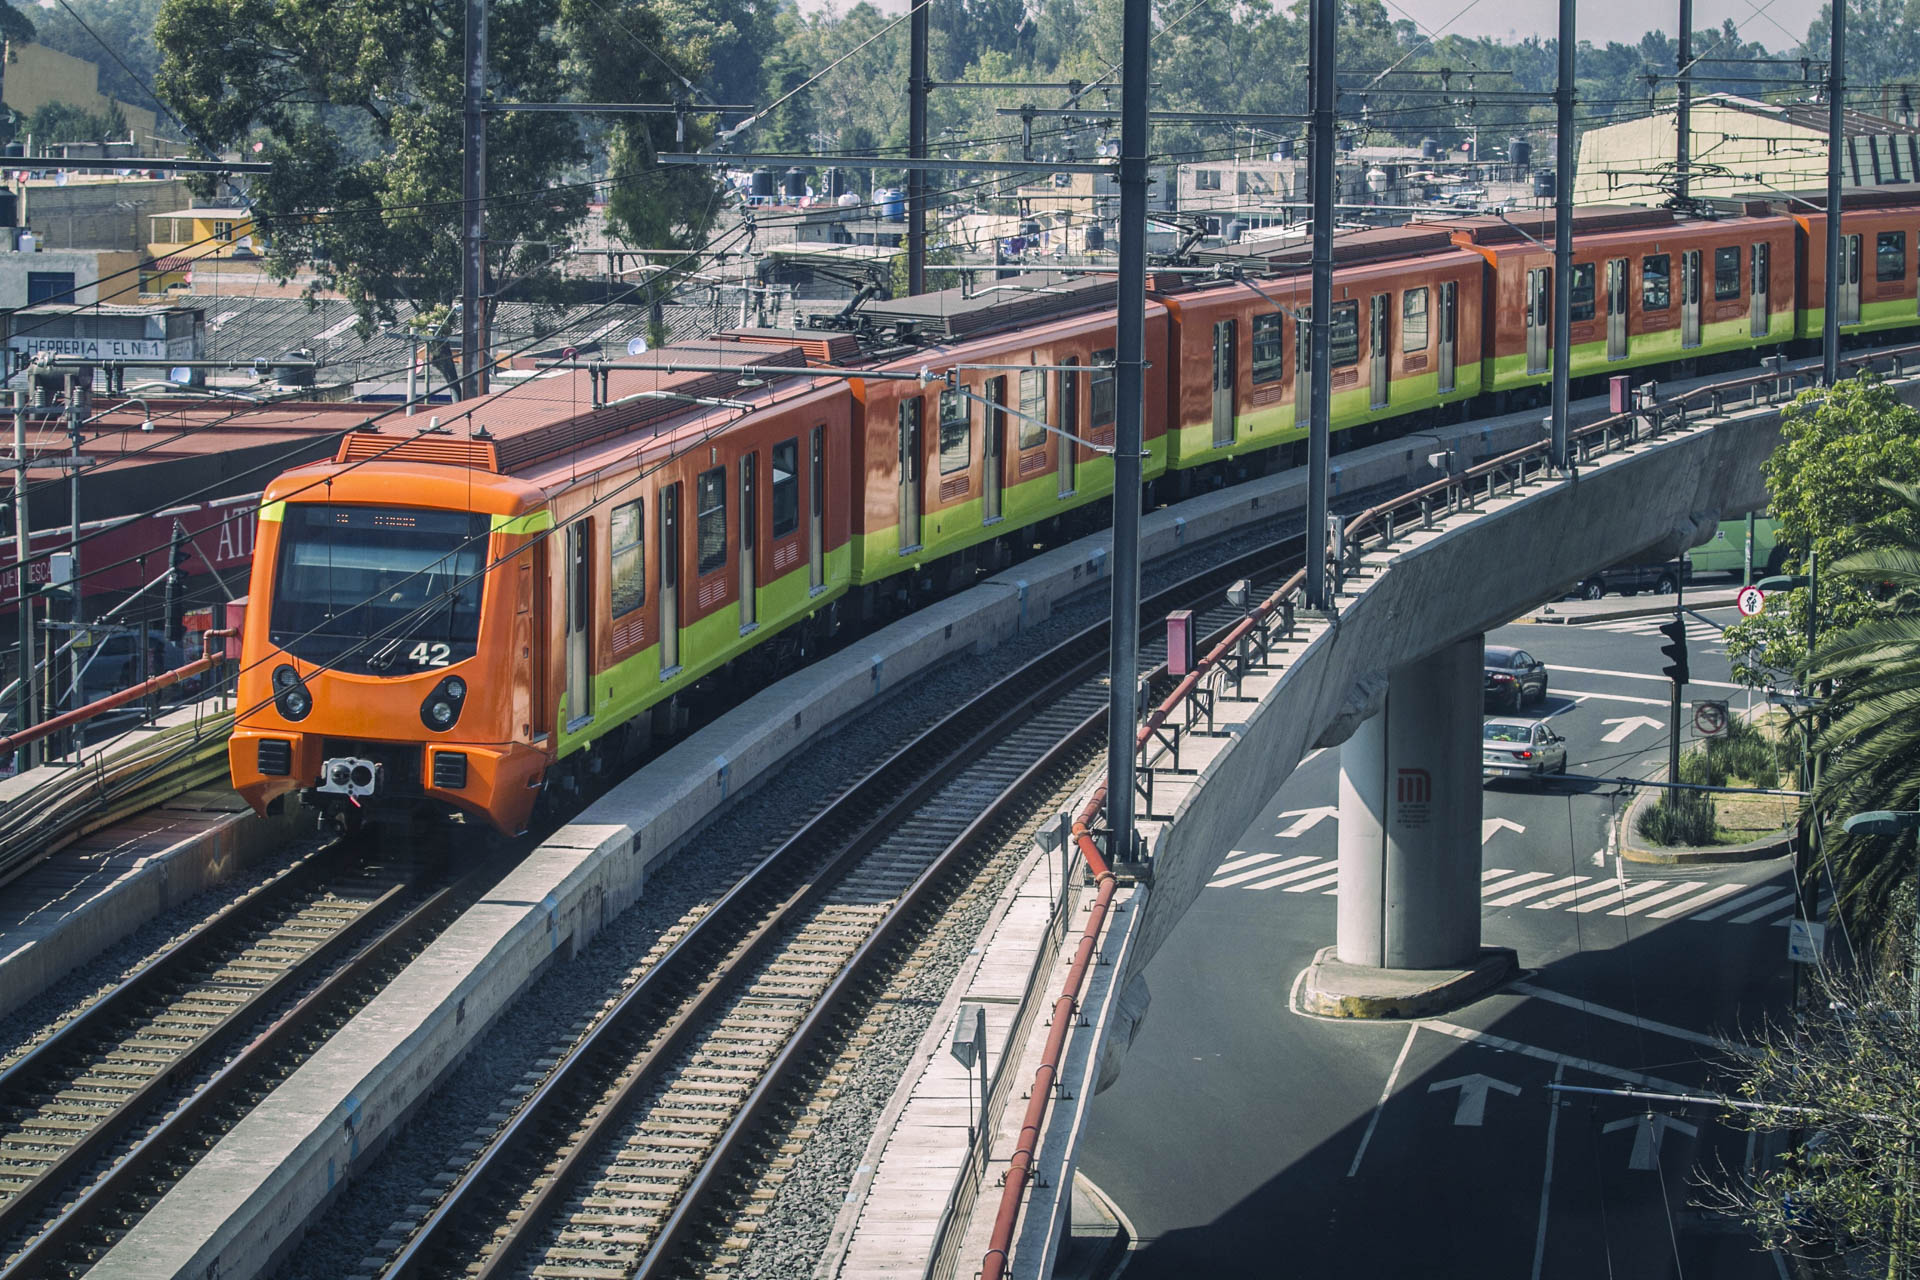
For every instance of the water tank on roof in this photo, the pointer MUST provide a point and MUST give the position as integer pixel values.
(1345, 142)
(892, 202)
(1283, 148)
(1096, 238)
(837, 184)
(796, 184)
(1378, 180)
(294, 375)
(1234, 231)
(1429, 148)
(1520, 151)
(1543, 184)
(762, 188)
(9, 208)
(1030, 227)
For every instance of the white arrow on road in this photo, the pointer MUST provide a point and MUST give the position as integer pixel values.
(1646, 1138)
(1306, 820)
(1627, 725)
(1472, 1107)
(1491, 827)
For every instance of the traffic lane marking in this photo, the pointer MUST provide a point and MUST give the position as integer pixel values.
(1641, 675)
(1591, 1009)
(1385, 1093)
(1486, 1039)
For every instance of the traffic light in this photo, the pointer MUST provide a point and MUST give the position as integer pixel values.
(1675, 650)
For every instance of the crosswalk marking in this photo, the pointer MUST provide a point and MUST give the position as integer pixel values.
(1826, 905)
(1733, 903)
(1745, 900)
(1511, 898)
(1320, 865)
(1257, 872)
(1513, 881)
(1714, 894)
(1665, 895)
(1622, 894)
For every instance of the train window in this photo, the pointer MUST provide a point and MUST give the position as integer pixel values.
(1345, 336)
(786, 487)
(1581, 304)
(1656, 282)
(1267, 364)
(956, 432)
(710, 495)
(1726, 274)
(1101, 397)
(1033, 404)
(1890, 256)
(1413, 319)
(626, 546)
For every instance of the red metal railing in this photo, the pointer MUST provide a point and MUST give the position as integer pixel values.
(66, 720)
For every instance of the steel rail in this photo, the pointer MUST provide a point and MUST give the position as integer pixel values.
(166, 1141)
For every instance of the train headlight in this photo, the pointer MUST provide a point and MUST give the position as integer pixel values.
(294, 701)
(442, 707)
(284, 678)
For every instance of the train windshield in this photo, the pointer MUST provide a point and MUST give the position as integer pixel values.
(379, 589)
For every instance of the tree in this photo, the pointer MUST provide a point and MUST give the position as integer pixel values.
(1823, 485)
(357, 105)
(61, 122)
(1847, 1075)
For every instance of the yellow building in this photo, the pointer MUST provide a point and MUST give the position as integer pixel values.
(35, 76)
(186, 236)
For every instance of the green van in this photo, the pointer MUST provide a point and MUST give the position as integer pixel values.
(1726, 551)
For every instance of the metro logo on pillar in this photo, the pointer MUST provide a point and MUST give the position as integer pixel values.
(1415, 786)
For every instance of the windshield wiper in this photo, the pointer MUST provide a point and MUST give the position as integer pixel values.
(387, 652)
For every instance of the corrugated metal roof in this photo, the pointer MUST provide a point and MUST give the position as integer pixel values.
(954, 313)
(1811, 116)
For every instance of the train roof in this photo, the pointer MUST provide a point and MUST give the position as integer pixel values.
(1003, 304)
(1537, 224)
(1350, 248)
(515, 431)
(1889, 196)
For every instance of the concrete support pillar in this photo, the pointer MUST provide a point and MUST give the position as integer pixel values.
(1410, 820)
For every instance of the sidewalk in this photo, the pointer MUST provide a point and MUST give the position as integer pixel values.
(1574, 613)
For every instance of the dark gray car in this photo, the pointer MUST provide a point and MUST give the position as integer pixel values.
(1514, 678)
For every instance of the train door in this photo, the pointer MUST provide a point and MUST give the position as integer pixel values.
(1539, 313)
(1759, 268)
(1616, 309)
(1069, 422)
(1449, 325)
(1223, 374)
(993, 449)
(1302, 368)
(1849, 279)
(669, 580)
(579, 625)
(816, 513)
(1378, 358)
(910, 411)
(749, 537)
(1690, 298)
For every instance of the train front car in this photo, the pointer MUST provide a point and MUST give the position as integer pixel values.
(388, 656)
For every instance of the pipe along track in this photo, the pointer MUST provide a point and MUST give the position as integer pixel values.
(630, 1156)
(101, 1118)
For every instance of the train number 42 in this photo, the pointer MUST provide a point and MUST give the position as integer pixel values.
(430, 655)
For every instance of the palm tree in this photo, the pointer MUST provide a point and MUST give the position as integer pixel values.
(1872, 745)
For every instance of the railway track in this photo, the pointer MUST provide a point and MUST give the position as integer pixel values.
(634, 1153)
(99, 1119)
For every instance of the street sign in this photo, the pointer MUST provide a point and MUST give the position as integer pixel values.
(1709, 718)
(1806, 939)
(1751, 600)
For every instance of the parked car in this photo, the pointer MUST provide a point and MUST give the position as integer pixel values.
(1658, 576)
(1517, 748)
(1514, 678)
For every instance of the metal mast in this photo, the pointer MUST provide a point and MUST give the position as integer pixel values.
(1836, 124)
(1562, 238)
(917, 83)
(473, 187)
(1324, 26)
(1128, 435)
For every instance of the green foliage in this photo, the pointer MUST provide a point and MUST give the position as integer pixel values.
(1680, 818)
(1745, 755)
(59, 122)
(1823, 486)
(1842, 1084)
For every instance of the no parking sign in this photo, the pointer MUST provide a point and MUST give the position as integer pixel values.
(1709, 718)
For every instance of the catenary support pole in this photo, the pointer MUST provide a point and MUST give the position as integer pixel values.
(917, 79)
(1562, 239)
(1674, 690)
(1836, 137)
(473, 190)
(1324, 27)
(28, 691)
(1129, 433)
(1683, 113)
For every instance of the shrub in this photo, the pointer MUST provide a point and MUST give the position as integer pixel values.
(1680, 818)
(1742, 752)
(1703, 769)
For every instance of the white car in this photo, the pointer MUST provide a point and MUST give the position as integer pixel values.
(1515, 748)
